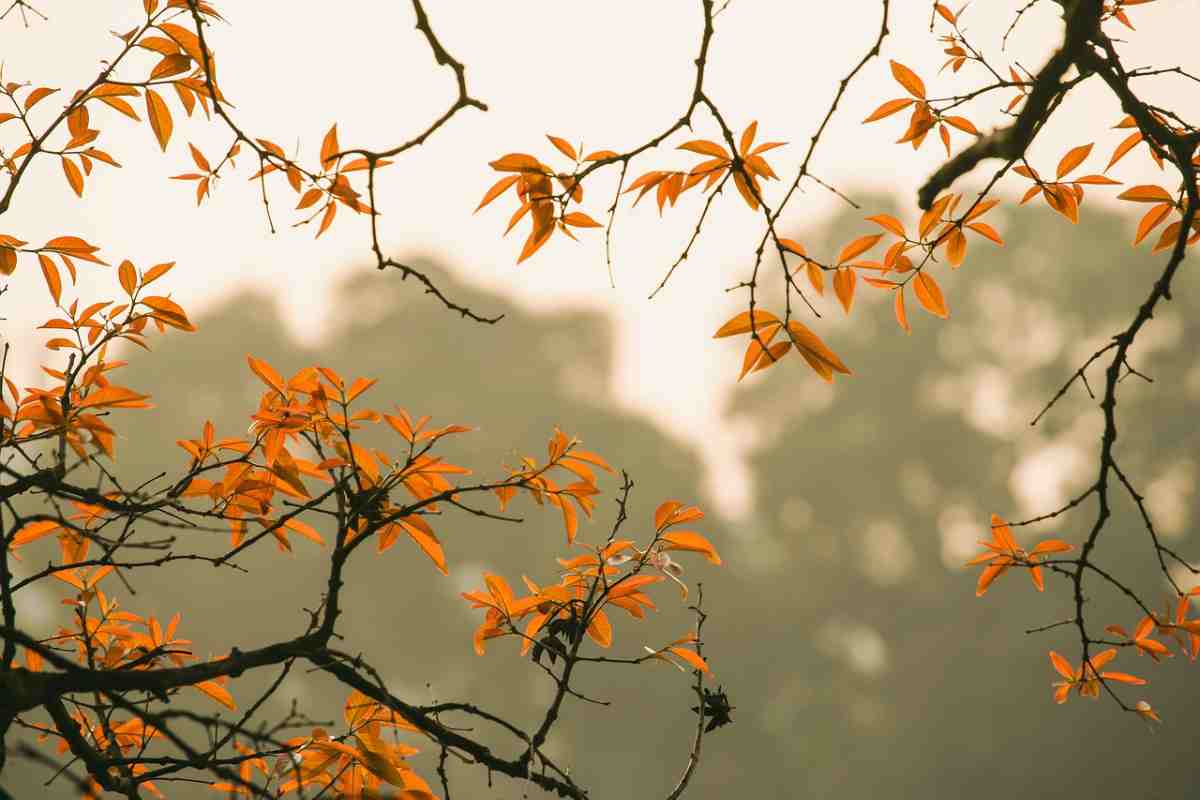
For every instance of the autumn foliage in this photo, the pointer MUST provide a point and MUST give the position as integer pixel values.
(303, 477)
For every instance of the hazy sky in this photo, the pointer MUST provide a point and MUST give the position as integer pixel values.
(611, 74)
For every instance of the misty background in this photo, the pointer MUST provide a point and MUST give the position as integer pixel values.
(842, 624)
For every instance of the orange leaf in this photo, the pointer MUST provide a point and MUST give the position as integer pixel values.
(600, 155)
(930, 295)
(823, 360)
(792, 246)
(1062, 666)
(327, 217)
(563, 146)
(1051, 546)
(517, 162)
(1102, 658)
(53, 281)
(160, 118)
(186, 97)
(692, 542)
(423, 535)
(172, 64)
(600, 629)
(366, 463)
(739, 180)
(498, 188)
(266, 373)
(691, 657)
(1063, 200)
(741, 323)
(1035, 574)
(169, 312)
(1146, 194)
(1153, 218)
(706, 148)
(1124, 147)
(74, 177)
(859, 246)
(843, 285)
(590, 458)
(8, 260)
(329, 147)
(186, 39)
(888, 223)
(908, 79)
(748, 138)
(534, 242)
(816, 276)
(773, 355)
(217, 692)
(664, 513)
(1074, 157)
(570, 518)
(1123, 677)
(72, 577)
(309, 198)
(359, 386)
(332, 377)
(1096, 180)
(956, 248)
(930, 218)
(646, 182)
(755, 351)
(127, 275)
(32, 532)
(580, 220)
(987, 231)
(981, 208)
(901, 315)
(1170, 234)
(963, 124)
(114, 397)
(989, 574)
(889, 108)
(37, 95)
(199, 158)
(305, 530)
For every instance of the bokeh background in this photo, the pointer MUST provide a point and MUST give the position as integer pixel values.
(842, 625)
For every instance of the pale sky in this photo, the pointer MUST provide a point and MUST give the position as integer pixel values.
(611, 74)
